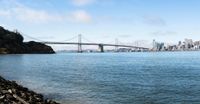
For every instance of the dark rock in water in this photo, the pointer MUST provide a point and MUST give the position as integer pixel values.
(12, 43)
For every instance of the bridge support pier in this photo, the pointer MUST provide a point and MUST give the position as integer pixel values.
(79, 43)
(101, 48)
(80, 48)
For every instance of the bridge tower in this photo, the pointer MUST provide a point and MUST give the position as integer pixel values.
(116, 43)
(79, 43)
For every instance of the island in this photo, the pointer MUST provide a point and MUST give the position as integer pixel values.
(11, 42)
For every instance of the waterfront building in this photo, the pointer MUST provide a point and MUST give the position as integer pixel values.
(188, 44)
(197, 45)
(158, 46)
(179, 46)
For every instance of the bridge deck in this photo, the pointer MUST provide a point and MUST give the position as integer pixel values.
(75, 43)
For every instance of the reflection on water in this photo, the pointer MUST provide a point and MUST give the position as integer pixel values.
(109, 78)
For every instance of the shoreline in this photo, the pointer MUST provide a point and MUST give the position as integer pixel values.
(13, 93)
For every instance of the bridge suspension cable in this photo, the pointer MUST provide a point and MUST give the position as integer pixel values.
(119, 42)
(73, 38)
(33, 38)
(111, 42)
(83, 37)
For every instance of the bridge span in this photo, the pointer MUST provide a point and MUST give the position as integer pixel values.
(79, 43)
(101, 45)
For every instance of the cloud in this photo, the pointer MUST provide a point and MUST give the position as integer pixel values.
(164, 33)
(125, 36)
(15, 10)
(35, 16)
(154, 21)
(4, 13)
(30, 15)
(80, 16)
(82, 2)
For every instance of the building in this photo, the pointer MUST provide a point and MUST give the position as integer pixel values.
(188, 44)
(158, 46)
(197, 45)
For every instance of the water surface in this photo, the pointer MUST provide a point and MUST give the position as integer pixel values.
(109, 78)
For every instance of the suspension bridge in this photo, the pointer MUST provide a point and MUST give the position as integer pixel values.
(80, 43)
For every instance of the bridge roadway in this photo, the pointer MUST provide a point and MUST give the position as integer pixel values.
(101, 45)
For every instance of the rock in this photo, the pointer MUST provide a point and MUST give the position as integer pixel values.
(12, 93)
(12, 43)
(10, 97)
(4, 91)
(2, 97)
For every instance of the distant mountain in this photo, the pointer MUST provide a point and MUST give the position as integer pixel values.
(12, 43)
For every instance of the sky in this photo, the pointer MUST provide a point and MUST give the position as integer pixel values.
(103, 20)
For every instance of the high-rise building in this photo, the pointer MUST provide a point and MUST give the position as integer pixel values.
(179, 43)
(154, 43)
(158, 46)
(188, 44)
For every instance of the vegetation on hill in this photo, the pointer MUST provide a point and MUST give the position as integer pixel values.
(12, 43)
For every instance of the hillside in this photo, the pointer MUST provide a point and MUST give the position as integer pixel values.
(12, 43)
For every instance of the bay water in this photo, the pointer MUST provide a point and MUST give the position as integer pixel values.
(108, 78)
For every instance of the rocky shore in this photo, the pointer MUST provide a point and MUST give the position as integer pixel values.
(11, 42)
(12, 93)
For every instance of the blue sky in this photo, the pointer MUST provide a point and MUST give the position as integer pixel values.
(104, 20)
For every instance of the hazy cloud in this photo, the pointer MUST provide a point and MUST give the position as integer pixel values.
(163, 33)
(30, 15)
(18, 11)
(35, 16)
(82, 2)
(80, 16)
(125, 36)
(4, 13)
(154, 21)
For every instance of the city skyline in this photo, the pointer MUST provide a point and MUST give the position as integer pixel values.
(103, 20)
